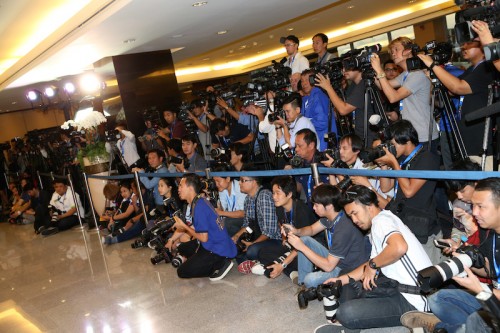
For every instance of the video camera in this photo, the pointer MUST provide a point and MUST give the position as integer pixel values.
(371, 154)
(487, 11)
(414, 63)
(221, 156)
(331, 69)
(183, 116)
(112, 135)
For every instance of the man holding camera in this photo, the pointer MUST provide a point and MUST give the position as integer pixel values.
(411, 89)
(195, 161)
(198, 114)
(345, 249)
(175, 128)
(295, 60)
(155, 161)
(127, 147)
(379, 291)
(260, 216)
(210, 251)
(473, 85)
(63, 203)
(354, 103)
(316, 106)
(295, 121)
(413, 200)
(457, 310)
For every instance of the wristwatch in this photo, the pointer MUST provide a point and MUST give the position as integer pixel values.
(284, 265)
(372, 264)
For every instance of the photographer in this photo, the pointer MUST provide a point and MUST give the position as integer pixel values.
(291, 213)
(296, 61)
(345, 250)
(354, 103)
(231, 201)
(372, 295)
(210, 251)
(483, 31)
(473, 85)
(196, 162)
(174, 149)
(265, 127)
(316, 106)
(40, 200)
(295, 121)
(155, 161)
(127, 147)
(410, 89)
(63, 202)
(150, 137)
(175, 128)
(456, 310)
(413, 200)
(198, 115)
(260, 216)
(320, 45)
(239, 155)
(223, 134)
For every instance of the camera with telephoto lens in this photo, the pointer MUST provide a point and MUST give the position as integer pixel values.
(164, 255)
(319, 292)
(183, 115)
(177, 261)
(280, 261)
(434, 276)
(179, 160)
(361, 58)
(415, 63)
(331, 69)
(247, 236)
(371, 154)
(273, 116)
(112, 135)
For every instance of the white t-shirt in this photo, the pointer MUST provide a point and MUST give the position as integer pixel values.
(235, 200)
(297, 63)
(65, 202)
(406, 269)
(374, 182)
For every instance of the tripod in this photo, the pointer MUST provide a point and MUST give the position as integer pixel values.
(440, 93)
(492, 93)
(372, 97)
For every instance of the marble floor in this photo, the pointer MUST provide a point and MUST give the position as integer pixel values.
(70, 282)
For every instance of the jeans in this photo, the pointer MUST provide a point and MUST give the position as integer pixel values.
(232, 225)
(306, 267)
(132, 232)
(253, 250)
(475, 324)
(371, 312)
(452, 307)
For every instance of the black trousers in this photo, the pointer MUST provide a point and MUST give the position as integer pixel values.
(268, 255)
(200, 262)
(65, 223)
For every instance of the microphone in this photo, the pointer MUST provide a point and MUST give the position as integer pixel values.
(484, 112)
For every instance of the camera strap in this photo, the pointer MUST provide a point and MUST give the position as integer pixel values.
(406, 164)
(329, 231)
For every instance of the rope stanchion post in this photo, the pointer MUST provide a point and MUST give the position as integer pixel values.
(87, 188)
(52, 176)
(138, 184)
(70, 182)
(207, 173)
(315, 173)
(39, 179)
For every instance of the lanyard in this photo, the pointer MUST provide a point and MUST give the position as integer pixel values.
(329, 232)
(291, 217)
(407, 160)
(122, 143)
(320, 61)
(172, 129)
(233, 203)
(401, 101)
(291, 60)
(309, 181)
(495, 264)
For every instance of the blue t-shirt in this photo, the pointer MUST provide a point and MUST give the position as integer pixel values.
(206, 220)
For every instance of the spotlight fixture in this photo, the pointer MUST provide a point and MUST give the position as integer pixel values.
(69, 88)
(90, 83)
(50, 92)
(34, 96)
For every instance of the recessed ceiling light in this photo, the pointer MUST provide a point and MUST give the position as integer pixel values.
(231, 51)
(271, 36)
(314, 19)
(222, 32)
(206, 59)
(242, 47)
(199, 3)
(412, 1)
(177, 36)
(255, 43)
(259, 52)
(289, 29)
(349, 22)
(350, 7)
(13, 103)
(129, 41)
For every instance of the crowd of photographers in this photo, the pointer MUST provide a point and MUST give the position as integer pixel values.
(373, 249)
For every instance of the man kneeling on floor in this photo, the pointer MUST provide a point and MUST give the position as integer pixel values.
(63, 209)
(378, 292)
(210, 251)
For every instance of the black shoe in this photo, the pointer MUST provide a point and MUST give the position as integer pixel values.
(49, 231)
(40, 229)
(221, 272)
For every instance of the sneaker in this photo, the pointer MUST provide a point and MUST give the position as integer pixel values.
(221, 272)
(294, 276)
(329, 328)
(49, 231)
(246, 266)
(415, 319)
(258, 269)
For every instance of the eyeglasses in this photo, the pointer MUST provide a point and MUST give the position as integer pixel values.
(289, 44)
(245, 180)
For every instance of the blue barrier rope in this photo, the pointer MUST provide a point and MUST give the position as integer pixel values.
(423, 174)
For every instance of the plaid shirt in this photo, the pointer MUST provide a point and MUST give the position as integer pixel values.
(266, 214)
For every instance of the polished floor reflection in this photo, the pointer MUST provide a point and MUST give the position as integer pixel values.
(68, 283)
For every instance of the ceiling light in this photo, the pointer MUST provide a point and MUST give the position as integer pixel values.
(33, 95)
(129, 41)
(50, 91)
(199, 3)
(242, 47)
(222, 32)
(231, 51)
(350, 7)
(206, 59)
(90, 83)
(412, 1)
(69, 88)
(14, 103)
(289, 29)
(255, 43)
(349, 22)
